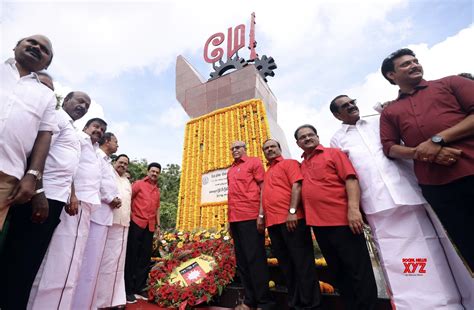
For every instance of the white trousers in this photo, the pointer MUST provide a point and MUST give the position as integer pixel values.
(110, 289)
(413, 259)
(56, 280)
(93, 253)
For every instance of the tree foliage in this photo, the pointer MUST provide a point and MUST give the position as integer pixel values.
(168, 183)
(138, 168)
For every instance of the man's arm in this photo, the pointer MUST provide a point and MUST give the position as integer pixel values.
(463, 129)
(292, 219)
(158, 224)
(108, 188)
(25, 189)
(353, 200)
(426, 151)
(402, 152)
(261, 220)
(39, 205)
(72, 207)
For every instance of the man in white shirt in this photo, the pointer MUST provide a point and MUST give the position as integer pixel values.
(27, 242)
(27, 121)
(55, 283)
(110, 289)
(101, 219)
(406, 240)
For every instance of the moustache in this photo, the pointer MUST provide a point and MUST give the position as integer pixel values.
(34, 51)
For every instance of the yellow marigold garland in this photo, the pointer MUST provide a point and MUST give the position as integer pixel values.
(206, 148)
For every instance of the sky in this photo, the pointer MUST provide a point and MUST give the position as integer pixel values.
(123, 54)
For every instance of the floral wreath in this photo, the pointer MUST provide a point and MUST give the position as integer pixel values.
(166, 291)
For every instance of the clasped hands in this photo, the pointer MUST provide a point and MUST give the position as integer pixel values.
(442, 155)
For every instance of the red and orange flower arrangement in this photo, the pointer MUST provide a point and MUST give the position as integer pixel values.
(170, 294)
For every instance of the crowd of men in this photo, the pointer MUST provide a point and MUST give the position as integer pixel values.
(409, 172)
(74, 232)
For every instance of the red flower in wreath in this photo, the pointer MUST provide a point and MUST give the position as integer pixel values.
(167, 294)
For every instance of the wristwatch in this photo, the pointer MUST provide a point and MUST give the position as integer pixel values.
(36, 173)
(438, 140)
(292, 211)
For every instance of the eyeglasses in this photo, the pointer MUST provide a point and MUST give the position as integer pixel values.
(346, 104)
(236, 147)
(309, 135)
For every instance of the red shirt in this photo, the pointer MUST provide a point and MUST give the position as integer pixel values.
(325, 171)
(145, 203)
(243, 197)
(276, 196)
(432, 108)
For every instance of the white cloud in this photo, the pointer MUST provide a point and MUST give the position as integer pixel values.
(106, 39)
(174, 116)
(322, 48)
(451, 56)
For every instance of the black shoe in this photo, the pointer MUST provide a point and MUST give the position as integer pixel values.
(131, 299)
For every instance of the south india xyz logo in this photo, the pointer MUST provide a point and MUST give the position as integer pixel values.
(414, 266)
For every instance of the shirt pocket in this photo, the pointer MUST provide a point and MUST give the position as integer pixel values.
(317, 171)
(24, 111)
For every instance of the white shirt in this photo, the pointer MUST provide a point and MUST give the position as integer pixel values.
(88, 174)
(62, 160)
(122, 214)
(382, 180)
(108, 191)
(26, 107)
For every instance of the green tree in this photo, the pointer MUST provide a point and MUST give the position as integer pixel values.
(138, 168)
(169, 187)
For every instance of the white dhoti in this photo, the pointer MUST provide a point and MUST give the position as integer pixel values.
(110, 289)
(86, 284)
(413, 259)
(462, 275)
(57, 279)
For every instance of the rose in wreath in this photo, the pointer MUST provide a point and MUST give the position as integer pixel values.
(192, 274)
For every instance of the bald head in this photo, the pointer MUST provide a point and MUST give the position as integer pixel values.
(76, 104)
(33, 53)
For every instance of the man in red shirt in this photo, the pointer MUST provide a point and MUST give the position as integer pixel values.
(331, 199)
(284, 219)
(145, 218)
(435, 121)
(245, 178)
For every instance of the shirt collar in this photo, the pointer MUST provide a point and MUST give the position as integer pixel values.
(84, 135)
(421, 85)
(318, 149)
(68, 117)
(12, 63)
(147, 179)
(103, 155)
(241, 159)
(346, 127)
(275, 161)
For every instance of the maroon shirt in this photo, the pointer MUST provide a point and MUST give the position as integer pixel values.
(433, 107)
